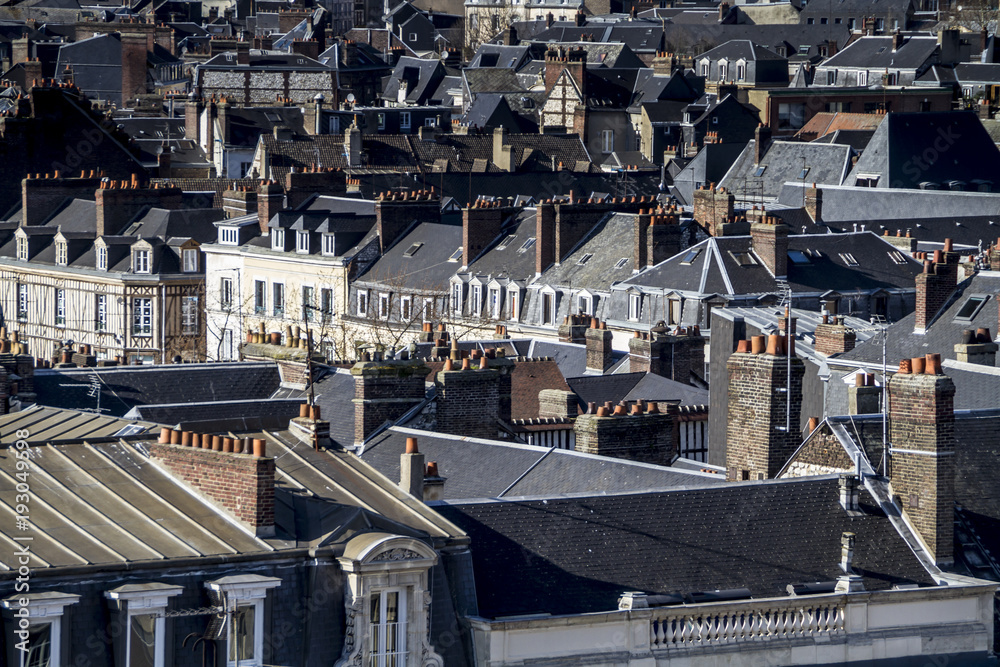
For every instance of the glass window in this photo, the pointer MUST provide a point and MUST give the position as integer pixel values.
(39, 652)
(381, 121)
(404, 120)
(607, 141)
(22, 248)
(584, 305)
(383, 306)
(189, 315)
(61, 254)
(387, 646)
(278, 299)
(863, 78)
(970, 308)
(259, 297)
(140, 261)
(308, 308)
(60, 307)
(362, 303)
(190, 260)
(101, 312)
(229, 236)
(22, 301)
(456, 298)
(329, 247)
(634, 307)
(142, 641)
(326, 303)
(477, 300)
(226, 293)
(548, 308)
(102, 258)
(494, 301)
(277, 239)
(142, 317)
(242, 635)
(514, 303)
(302, 242)
(791, 115)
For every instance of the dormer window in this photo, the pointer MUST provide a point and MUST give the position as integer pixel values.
(102, 258)
(61, 253)
(140, 261)
(277, 239)
(229, 236)
(302, 242)
(22, 248)
(190, 260)
(328, 245)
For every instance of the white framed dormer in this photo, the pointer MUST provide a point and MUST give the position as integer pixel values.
(634, 306)
(457, 297)
(62, 250)
(548, 306)
(142, 257)
(22, 245)
(494, 299)
(277, 238)
(515, 300)
(585, 302)
(243, 597)
(388, 602)
(46, 637)
(229, 235)
(302, 242)
(190, 257)
(329, 245)
(140, 609)
(477, 290)
(101, 249)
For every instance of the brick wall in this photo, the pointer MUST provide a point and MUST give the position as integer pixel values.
(672, 356)
(270, 199)
(480, 225)
(468, 402)
(650, 438)
(40, 197)
(598, 347)
(545, 231)
(922, 467)
(394, 213)
(757, 442)
(713, 207)
(770, 243)
(663, 239)
(834, 338)
(934, 286)
(385, 390)
(241, 483)
(556, 403)
(134, 54)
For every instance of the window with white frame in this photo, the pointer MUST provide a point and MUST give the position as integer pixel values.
(477, 300)
(141, 608)
(607, 141)
(22, 248)
(308, 307)
(302, 242)
(189, 315)
(100, 312)
(22, 301)
(44, 644)
(229, 236)
(278, 299)
(140, 261)
(404, 120)
(405, 308)
(60, 307)
(634, 307)
(328, 244)
(723, 70)
(674, 311)
(456, 298)
(142, 317)
(243, 597)
(585, 304)
(277, 239)
(102, 258)
(387, 629)
(326, 303)
(515, 301)
(362, 303)
(381, 121)
(429, 309)
(190, 260)
(863, 78)
(548, 307)
(704, 69)
(494, 302)
(383, 306)
(741, 72)
(62, 253)
(226, 293)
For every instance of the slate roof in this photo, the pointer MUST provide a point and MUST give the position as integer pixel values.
(426, 269)
(875, 53)
(499, 56)
(334, 391)
(421, 76)
(710, 165)
(123, 388)
(572, 556)
(634, 386)
(896, 151)
(240, 415)
(740, 49)
(716, 271)
(475, 468)
(490, 80)
(784, 161)
(607, 243)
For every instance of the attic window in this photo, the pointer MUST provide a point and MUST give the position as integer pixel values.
(804, 49)
(691, 256)
(621, 263)
(803, 173)
(506, 242)
(455, 256)
(583, 260)
(881, 49)
(526, 246)
(848, 259)
(759, 172)
(798, 257)
(971, 308)
(744, 258)
(897, 257)
(412, 250)
(273, 117)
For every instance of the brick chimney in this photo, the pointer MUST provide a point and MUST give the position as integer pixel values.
(395, 212)
(976, 347)
(411, 470)
(558, 60)
(864, 398)
(934, 286)
(762, 141)
(468, 397)
(352, 145)
(714, 208)
(664, 63)
(641, 432)
(769, 240)
(663, 237)
(763, 429)
(664, 353)
(239, 202)
(574, 329)
(192, 118)
(40, 197)
(640, 248)
(270, 200)
(482, 222)
(598, 339)
(225, 122)
(557, 403)
(832, 337)
(922, 462)
(814, 203)
(241, 482)
(163, 160)
(384, 391)
(119, 202)
(134, 55)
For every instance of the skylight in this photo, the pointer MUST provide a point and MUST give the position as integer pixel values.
(759, 172)
(527, 245)
(744, 258)
(848, 259)
(506, 242)
(621, 262)
(412, 250)
(798, 257)
(804, 173)
(691, 256)
(897, 257)
(971, 308)
(455, 256)
(585, 258)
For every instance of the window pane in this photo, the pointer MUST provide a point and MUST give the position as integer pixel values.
(241, 646)
(39, 646)
(142, 641)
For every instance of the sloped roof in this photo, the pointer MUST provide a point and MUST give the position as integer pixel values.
(740, 49)
(571, 556)
(634, 386)
(827, 164)
(876, 53)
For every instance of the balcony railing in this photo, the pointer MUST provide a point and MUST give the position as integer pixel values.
(737, 623)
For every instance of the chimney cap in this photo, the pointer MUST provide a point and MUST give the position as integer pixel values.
(411, 446)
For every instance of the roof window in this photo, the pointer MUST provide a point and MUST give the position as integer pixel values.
(971, 308)
(848, 259)
(412, 250)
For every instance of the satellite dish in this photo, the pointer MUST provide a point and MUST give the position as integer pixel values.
(351, 98)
